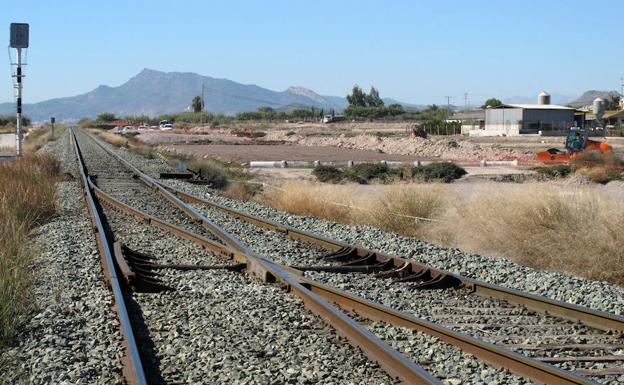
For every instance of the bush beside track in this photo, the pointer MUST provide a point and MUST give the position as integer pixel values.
(26, 200)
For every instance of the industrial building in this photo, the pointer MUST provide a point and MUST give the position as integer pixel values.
(515, 119)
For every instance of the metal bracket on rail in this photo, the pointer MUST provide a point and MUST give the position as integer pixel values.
(136, 270)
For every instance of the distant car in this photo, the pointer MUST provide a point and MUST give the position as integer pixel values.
(332, 118)
(165, 125)
(144, 127)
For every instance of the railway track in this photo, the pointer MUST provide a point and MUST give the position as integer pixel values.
(578, 339)
(383, 294)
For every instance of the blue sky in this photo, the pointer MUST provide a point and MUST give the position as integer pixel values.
(414, 51)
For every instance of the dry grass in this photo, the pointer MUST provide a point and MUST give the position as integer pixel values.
(402, 209)
(573, 229)
(598, 167)
(311, 199)
(112, 138)
(26, 200)
(393, 207)
(37, 137)
(241, 191)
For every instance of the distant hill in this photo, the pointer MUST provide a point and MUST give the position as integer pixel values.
(588, 97)
(154, 93)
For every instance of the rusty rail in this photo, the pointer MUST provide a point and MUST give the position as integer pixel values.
(314, 291)
(133, 367)
(496, 355)
(393, 362)
(594, 318)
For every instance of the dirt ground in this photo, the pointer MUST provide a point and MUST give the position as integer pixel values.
(361, 141)
(255, 152)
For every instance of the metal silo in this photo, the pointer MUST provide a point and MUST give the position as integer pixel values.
(543, 98)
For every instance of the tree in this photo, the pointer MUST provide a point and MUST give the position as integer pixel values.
(373, 99)
(197, 104)
(396, 109)
(491, 102)
(358, 98)
(612, 103)
(106, 117)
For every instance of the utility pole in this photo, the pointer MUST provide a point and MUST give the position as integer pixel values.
(448, 105)
(465, 100)
(201, 106)
(202, 101)
(19, 40)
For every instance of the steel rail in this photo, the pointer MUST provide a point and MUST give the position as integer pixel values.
(189, 210)
(393, 362)
(496, 355)
(133, 368)
(590, 317)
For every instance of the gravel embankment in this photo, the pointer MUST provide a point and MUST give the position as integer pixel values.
(449, 362)
(508, 324)
(221, 327)
(72, 336)
(593, 294)
(116, 180)
(443, 360)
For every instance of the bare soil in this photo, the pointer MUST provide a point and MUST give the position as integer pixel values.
(253, 152)
(357, 141)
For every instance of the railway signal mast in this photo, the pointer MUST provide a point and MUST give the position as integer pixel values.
(19, 41)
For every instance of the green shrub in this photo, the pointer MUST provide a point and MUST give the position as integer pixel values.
(445, 172)
(556, 171)
(365, 172)
(328, 174)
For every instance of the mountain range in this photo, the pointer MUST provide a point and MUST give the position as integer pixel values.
(154, 93)
(588, 97)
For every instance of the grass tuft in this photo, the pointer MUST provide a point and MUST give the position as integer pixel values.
(26, 200)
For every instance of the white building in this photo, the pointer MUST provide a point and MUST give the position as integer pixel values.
(517, 119)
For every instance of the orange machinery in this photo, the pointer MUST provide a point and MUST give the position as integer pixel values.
(576, 142)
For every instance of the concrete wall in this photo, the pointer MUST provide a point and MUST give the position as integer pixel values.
(7, 140)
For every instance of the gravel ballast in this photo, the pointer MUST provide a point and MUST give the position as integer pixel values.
(219, 326)
(72, 336)
(597, 295)
(447, 362)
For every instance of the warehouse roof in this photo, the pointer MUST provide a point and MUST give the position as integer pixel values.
(535, 106)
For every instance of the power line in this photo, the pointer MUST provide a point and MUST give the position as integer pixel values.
(448, 102)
